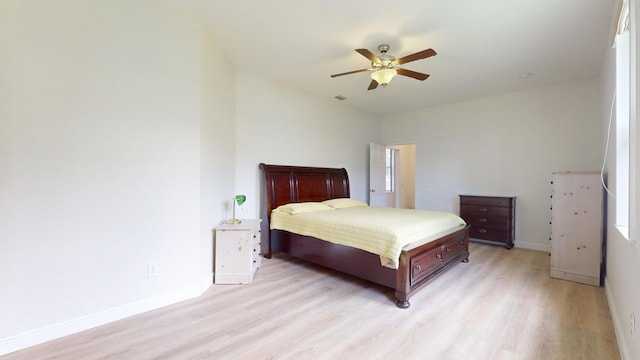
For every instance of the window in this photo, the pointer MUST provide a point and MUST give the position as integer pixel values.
(390, 170)
(625, 122)
(622, 131)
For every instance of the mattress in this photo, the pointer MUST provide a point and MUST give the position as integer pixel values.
(378, 230)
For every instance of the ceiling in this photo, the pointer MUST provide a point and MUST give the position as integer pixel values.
(483, 46)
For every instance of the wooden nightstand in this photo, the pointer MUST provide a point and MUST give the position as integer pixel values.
(492, 218)
(237, 250)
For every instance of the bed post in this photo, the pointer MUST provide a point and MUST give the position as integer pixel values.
(265, 247)
(402, 282)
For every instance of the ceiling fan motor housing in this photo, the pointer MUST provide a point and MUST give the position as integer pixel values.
(386, 60)
(383, 48)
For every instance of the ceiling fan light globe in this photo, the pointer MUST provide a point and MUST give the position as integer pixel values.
(383, 76)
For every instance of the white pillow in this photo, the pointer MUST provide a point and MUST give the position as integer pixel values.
(342, 203)
(303, 207)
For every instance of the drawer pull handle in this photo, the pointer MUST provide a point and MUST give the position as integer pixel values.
(447, 250)
(438, 256)
(482, 220)
(483, 209)
(418, 267)
(482, 231)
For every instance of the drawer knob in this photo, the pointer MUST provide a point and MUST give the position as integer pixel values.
(418, 267)
(447, 250)
(483, 209)
(482, 231)
(482, 220)
(439, 256)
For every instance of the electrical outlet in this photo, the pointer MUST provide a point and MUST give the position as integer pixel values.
(152, 269)
(632, 325)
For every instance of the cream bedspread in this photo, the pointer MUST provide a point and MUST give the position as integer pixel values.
(379, 230)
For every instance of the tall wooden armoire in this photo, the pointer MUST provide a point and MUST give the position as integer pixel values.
(576, 227)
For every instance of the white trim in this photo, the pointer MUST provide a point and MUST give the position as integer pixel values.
(519, 244)
(206, 283)
(533, 246)
(571, 276)
(48, 333)
(618, 328)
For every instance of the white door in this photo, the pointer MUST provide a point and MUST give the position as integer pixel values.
(377, 167)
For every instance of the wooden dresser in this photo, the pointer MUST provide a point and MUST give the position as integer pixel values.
(492, 218)
(577, 227)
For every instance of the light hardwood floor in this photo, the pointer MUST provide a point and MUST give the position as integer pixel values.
(500, 305)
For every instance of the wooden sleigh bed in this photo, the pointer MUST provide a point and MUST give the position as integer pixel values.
(416, 267)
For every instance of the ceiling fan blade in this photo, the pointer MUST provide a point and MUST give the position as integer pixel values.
(417, 56)
(373, 85)
(412, 74)
(349, 72)
(368, 54)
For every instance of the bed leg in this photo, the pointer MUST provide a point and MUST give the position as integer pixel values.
(403, 304)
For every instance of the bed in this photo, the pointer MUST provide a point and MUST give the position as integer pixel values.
(415, 267)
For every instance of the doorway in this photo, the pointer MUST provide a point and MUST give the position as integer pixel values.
(392, 175)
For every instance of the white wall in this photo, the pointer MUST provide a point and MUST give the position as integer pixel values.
(623, 258)
(114, 135)
(278, 125)
(503, 145)
(217, 147)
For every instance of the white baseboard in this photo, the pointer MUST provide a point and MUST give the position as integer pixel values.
(533, 246)
(206, 283)
(518, 244)
(48, 333)
(618, 327)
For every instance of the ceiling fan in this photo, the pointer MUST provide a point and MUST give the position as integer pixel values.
(384, 67)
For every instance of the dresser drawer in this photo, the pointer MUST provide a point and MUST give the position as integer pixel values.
(492, 221)
(489, 234)
(485, 200)
(484, 210)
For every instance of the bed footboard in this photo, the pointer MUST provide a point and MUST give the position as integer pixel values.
(419, 266)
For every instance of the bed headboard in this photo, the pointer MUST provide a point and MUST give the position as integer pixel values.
(284, 184)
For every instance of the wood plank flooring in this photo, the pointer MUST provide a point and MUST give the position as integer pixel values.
(500, 305)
